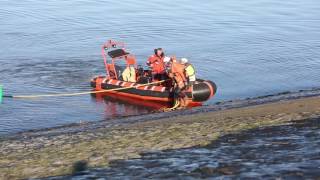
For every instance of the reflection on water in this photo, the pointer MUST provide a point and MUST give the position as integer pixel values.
(288, 151)
(249, 48)
(116, 106)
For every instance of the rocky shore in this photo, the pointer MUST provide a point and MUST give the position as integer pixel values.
(67, 149)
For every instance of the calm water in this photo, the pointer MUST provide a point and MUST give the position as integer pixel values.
(289, 152)
(249, 48)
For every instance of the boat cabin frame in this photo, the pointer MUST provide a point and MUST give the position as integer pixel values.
(117, 52)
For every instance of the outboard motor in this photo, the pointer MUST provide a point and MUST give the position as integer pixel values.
(203, 91)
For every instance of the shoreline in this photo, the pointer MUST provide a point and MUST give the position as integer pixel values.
(54, 151)
(218, 106)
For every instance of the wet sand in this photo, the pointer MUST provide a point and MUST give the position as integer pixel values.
(59, 151)
(275, 152)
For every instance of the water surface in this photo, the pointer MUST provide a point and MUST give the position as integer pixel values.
(249, 48)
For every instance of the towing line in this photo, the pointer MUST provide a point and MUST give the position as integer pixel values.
(74, 94)
(175, 106)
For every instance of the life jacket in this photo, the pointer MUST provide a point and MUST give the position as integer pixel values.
(157, 64)
(129, 74)
(178, 70)
(190, 72)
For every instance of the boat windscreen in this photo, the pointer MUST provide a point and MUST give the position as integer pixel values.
(117, 53)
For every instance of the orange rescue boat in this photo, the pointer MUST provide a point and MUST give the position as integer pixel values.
(163, 93)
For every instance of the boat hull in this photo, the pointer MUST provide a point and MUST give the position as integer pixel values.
(197, 94)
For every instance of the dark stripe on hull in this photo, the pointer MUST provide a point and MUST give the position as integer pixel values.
(140, 92)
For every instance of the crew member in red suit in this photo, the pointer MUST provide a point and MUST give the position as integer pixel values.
(157, 65)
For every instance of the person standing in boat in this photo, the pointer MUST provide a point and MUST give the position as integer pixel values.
(177, 73)
(189, 71)
(157, 65)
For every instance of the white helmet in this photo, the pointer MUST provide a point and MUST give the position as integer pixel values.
(184, 60)
(166, 59)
